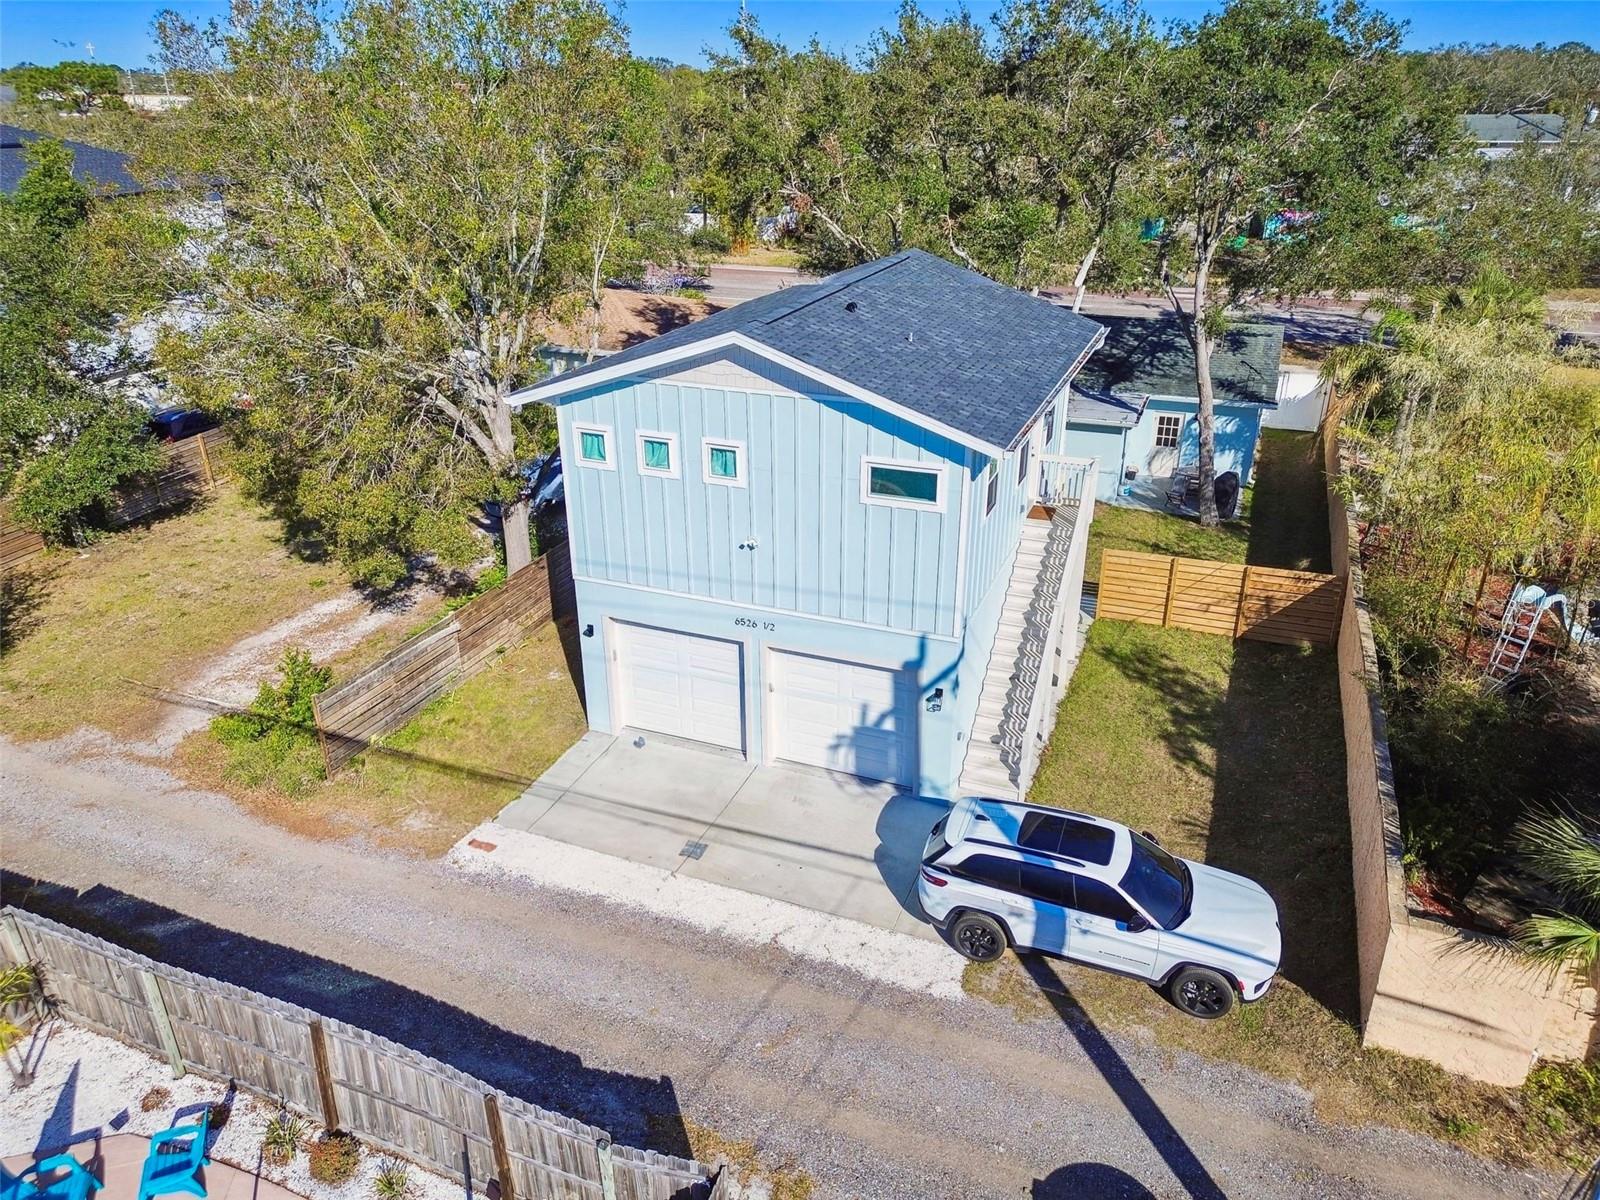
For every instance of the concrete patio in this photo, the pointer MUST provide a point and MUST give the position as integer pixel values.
(117, 1160)
(833, 843)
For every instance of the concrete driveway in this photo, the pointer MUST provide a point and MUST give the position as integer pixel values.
(833, 843)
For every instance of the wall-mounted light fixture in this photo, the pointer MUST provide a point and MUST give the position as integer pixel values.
(588, 631)
(936, 699)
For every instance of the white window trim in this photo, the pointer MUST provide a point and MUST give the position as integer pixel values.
(709, 444)
(991, 477)
(671, 439)
(869, 461)
(604, 431)
(1177, 433)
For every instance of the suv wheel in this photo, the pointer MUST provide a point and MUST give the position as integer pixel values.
(978, 937)
(1201, 992)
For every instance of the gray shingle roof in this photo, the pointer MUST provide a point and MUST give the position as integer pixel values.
(1150, 356)
(1103, 408)
(923, 333)
(104, 171)
(1490, 128)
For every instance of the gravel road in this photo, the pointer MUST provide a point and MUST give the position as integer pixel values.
(613, 1016)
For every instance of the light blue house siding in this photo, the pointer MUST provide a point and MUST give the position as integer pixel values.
(795, 560)
(1238, 430)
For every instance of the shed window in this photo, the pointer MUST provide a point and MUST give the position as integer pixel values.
(594, 446)
(1168, 426)
(903, 485)
(658, 453)
(724, 463)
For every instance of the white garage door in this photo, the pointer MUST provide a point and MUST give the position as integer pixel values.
(682, 684)
(844, 716)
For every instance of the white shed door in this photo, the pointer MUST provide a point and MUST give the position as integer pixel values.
(844, 716)
(682, 684)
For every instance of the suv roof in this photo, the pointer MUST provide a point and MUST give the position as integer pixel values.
(1091, 845)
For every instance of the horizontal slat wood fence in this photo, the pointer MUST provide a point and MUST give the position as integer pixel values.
(347, 1078)
(392, 691)
(193, 465)
(17, 542)
(1263, 604)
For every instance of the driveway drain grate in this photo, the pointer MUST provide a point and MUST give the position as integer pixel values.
(692, 850)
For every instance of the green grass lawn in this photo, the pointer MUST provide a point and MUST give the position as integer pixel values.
(1233, 752)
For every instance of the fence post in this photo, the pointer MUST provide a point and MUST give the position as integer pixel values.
(1238, 616)
(608, 1170)
(497, 1143)
(319, 1060)
(205, 461)
(158, 1013)
(1172, 587)
(16, 944)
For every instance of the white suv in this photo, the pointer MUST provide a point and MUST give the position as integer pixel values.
(996, 872)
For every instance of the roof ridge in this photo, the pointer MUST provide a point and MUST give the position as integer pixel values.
(823, 288)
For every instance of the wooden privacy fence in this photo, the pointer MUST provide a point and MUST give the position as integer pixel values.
(1263, 604)
(193, 465)
(343, 1076)
(17, 542)
(392, 691)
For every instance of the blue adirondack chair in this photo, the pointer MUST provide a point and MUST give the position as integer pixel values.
(167, 1172)
(75, 1184)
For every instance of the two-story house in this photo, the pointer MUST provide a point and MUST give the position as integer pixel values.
(831, 526)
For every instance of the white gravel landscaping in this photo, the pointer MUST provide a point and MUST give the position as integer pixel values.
(879, 955)
(87, 1085)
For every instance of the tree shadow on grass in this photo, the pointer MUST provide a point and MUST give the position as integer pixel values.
(639, 1110)
(23, 591)
(1190, 699)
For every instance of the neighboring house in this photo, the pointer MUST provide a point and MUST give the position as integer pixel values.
(156, 102)
(831, 526)
(1498, 134)
(105, 172)
(1134, 405)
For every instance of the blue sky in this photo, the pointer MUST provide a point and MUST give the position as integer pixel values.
(47, 31)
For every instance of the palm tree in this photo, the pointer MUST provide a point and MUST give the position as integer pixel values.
(17, 987)
(1562, 849)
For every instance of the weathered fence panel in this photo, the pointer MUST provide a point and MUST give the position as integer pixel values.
(392, 691)
(17, 542)
(1264, 604)
(193, 465)
(385, 1094)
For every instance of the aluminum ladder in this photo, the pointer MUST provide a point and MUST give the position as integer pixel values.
(1525, 608)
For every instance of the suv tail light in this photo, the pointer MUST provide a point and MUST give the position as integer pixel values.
(933, 879)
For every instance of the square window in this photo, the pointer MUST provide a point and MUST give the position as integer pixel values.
(1168, 426)
(658, 453)
(593, 444)
(900, 484)
(724, 463)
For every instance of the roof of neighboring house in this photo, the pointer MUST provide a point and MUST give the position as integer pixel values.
(973, 356)
(1151, 356)
(1490, 128)
(104, 171)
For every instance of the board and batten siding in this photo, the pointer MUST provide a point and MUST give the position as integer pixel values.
(992, 536)
(797, 537)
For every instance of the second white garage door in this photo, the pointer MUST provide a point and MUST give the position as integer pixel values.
(844, 716)
(680, 683)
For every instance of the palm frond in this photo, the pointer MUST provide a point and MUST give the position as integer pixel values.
(1560, 939)
(1563, 849)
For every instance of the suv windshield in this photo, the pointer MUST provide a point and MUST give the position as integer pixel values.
(1158, 883)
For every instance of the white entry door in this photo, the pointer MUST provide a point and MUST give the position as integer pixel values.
(844, 716)
(680, 683)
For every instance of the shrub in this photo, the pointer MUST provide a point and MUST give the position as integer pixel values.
(334, 1158)
(692, 293)
(711, 239)
(156, 1097)
(393, 1181)
(275, 740)
(284, 1135)
(1564, 1096)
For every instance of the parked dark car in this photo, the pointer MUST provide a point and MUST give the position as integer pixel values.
(175, 424)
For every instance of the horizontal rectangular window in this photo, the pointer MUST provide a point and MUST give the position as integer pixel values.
(724, 462)
(593, 444)
(901, 484)
(658, 453)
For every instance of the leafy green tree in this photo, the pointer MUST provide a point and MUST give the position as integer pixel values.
(65, 442)
(407, 185)
(1276, 104)
(81, 87)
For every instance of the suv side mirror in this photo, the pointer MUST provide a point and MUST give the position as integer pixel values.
(1137, 924)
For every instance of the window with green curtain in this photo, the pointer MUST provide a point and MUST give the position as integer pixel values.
(592, 446)
(657, 454)
(903, 483)
(724, 462)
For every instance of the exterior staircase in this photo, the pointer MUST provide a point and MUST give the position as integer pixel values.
(997, 746)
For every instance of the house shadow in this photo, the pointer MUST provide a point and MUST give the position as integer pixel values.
(639, 1110)
(1096, 1179)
